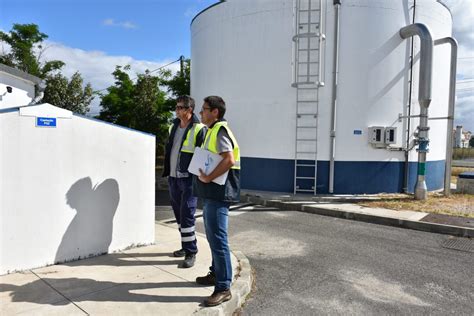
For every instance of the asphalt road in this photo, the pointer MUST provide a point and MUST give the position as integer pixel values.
(308, 264)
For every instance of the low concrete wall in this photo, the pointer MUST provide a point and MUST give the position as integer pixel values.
(79, 189)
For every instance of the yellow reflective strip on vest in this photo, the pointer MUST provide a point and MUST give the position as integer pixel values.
(199, 127)
(190, 141)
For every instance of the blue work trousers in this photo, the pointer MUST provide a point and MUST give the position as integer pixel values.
(216, 218)
(184, 207)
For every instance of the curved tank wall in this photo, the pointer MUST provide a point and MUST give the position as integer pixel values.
(243, 51)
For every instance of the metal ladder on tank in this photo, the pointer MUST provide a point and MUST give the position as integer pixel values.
(308, 42)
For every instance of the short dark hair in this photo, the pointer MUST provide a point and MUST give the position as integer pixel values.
(216, 102)
(187, 101)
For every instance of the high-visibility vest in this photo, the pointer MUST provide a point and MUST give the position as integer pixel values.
(190, 141)
(210, 142)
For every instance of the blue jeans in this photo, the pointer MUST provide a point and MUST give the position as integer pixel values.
(216, 218)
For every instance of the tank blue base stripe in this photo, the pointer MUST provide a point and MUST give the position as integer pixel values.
(351, 177)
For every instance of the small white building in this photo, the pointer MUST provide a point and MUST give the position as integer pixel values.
(70, 186)
(17, 87)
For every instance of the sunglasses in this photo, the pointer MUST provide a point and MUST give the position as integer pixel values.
(179, 107)
(204, 109)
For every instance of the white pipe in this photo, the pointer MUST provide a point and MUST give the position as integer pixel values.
(332, 135)
(424, 98)
(452, 99)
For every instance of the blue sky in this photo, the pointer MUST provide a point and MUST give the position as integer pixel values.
(151, 30)
(92, 36)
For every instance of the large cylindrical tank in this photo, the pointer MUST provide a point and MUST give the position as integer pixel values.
(246, 51)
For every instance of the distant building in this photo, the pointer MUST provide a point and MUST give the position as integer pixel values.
(461, 138)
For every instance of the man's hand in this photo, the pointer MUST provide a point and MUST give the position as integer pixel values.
(226, 163)
(203, 177)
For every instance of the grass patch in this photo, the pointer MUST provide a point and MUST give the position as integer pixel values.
(456, 204)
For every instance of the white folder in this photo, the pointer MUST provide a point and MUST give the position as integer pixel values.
(207, 162)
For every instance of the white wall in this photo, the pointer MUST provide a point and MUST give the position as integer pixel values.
(83, 188)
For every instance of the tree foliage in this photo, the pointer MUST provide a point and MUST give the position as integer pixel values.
(26, 47)
(68, 94)
(24, 40)
(178, 84)
(471, 142)
(139, 105)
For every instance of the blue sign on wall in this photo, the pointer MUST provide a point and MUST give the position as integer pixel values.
(46, 121)
(357, 132)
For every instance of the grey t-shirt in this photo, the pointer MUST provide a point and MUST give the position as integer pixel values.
(177, 140)
(224, 143)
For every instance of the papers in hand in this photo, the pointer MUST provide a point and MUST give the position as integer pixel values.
(207, 162)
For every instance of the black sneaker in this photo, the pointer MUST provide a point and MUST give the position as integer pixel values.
(209, 279)
(189, 260)
(179, 253)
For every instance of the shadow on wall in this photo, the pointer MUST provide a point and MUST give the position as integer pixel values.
(90, 231)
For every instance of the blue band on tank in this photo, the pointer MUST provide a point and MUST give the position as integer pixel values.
(350, 177)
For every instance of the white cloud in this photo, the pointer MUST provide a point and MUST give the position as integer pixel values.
(96, 67)
(463, 31)
(125, 24)
(465, 113)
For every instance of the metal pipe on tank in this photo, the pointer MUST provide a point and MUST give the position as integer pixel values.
(452, 98)
(332, 148)
(406, 167)
(424, 98)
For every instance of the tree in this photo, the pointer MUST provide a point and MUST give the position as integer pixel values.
(68, 94)
(23, 40)
(139, 105)
(26, 48)
(471, 142)
(179, 84)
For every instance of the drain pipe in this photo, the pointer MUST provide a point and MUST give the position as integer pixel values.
(332, 135)
(452, 97)
(424, 98)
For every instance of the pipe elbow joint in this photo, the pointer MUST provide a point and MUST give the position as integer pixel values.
(420, 29)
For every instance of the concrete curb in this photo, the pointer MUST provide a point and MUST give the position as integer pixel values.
(240, 288)
(316, 208)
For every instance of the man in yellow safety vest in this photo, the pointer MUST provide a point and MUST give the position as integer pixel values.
(185, 134)
(217, 198)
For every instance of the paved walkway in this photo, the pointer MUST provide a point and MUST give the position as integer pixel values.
(139, 281)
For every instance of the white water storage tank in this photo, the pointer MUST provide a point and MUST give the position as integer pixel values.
(273, 62)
